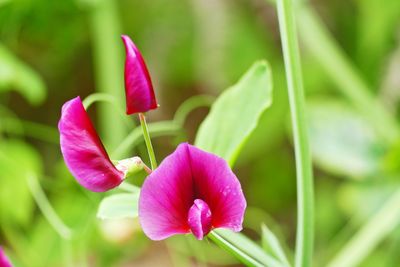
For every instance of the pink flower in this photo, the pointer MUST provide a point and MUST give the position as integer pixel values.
(139, 91)
(191, 191)
(83, 151)
(4, 261)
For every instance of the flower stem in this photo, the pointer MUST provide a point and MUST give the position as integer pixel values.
(48, 212)
(371, 233)
(160, 128)
(305, 199)
(147, 140)
(232, 249)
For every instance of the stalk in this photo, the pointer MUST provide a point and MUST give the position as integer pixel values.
(305, 195)
(147, 140)
(47, 210)
(370, 234)
(108, 65)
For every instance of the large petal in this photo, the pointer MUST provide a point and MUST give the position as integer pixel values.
(190, 174)
(4, 261)
(219, 187)
(139, 91)
(83, 152)
(166, 197)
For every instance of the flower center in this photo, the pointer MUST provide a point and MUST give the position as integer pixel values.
(199, 219)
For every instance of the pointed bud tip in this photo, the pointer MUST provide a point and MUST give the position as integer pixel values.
(139, 90)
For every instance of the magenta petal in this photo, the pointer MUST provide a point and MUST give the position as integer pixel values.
(189, 174)
(219, 187)
(166, 197)
(4, 261)
(83, 152)
(199, 219)
(139, 91)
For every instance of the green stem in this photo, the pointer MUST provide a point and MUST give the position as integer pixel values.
(109, 99)
(108, 59)
(32, 129)
(45, 207)
(189, 105)
(147, 140)
(344, 74)
(160, 128)
(233, 250)
(369, 236)
(305, 198)
(243, 248)
(96, 97)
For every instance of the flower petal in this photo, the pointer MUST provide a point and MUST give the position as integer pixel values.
(190, 174)
(4, 261)
(219, 187)
(139, 91)
(166, 197)
(83, 152)
(199, 219)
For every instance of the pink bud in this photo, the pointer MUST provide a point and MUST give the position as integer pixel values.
(139, 91)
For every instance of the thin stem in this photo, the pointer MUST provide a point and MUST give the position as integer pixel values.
(147, 169)
(160, 128)
(191, 104)
(305, 198)
(243, 248)
(108, 59)
(45, 207)
(344, 74)
(232, 249)
(369, 236)
(147, 140)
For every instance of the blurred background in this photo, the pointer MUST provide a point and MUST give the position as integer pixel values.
(52, 51)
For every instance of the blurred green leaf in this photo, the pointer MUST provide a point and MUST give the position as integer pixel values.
(236, 112)
(245, 249)
(363, 200)
(14, 74)
(375, 38)
(201, 251)
(270, 244)
(343, 142)
(17, 161)
(119, 206)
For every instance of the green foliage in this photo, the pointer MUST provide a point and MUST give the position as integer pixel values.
(244, 248)
(343, 142)
(236, 112)
(119, 206)
(18, 161)
(15, 74)
(61, 49)
(270, 244)
(220, 133)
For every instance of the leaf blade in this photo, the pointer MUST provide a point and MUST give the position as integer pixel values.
(220, 132)
(118, 206)
(271, 244)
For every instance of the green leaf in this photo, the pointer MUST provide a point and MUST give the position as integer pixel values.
(343, 142)
(15, 74)
(243, 248)
(119, 206)
(18, 161)
(236, 112)
(271, 245)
